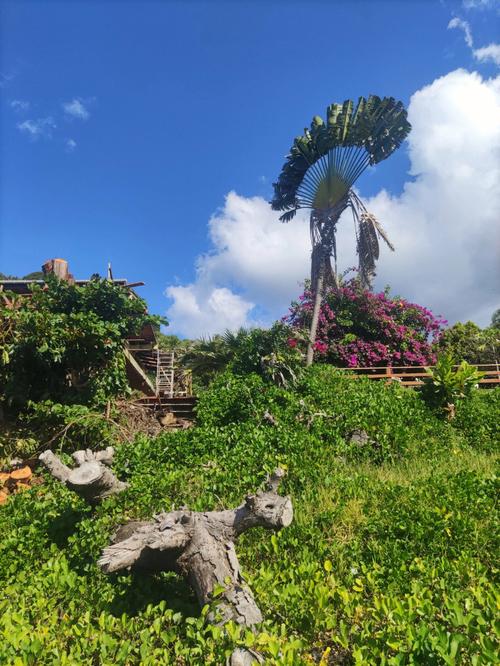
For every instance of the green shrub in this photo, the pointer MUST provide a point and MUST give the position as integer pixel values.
(468, 342)
(478, 419)
(70, 426)
(65, 342)
(447, 385)
(265, 352)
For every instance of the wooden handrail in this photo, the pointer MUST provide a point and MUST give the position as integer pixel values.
(414, 375)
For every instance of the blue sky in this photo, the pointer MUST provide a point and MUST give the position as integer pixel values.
(124, 125)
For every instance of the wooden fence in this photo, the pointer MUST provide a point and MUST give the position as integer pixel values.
(415, 375)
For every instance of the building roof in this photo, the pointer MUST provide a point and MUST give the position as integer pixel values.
(23, 286)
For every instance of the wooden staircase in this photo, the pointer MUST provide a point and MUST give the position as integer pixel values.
(173, 391)
(181, 407)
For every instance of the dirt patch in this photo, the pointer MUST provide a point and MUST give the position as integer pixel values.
(134, 419)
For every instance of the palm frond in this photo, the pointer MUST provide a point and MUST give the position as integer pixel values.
(327, 159)
(368, 232)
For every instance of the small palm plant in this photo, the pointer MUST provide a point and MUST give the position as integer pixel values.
(208, 356)
(319, 173)
(448, 384)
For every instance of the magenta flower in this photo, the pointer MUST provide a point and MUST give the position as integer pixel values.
(357, 327)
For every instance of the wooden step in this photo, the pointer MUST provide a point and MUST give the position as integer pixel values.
(183, 407)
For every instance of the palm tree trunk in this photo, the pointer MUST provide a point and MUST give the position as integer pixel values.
(318, 293)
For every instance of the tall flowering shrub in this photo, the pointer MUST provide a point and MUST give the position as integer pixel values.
(359, 328)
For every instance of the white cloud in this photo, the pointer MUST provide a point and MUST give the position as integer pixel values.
(254, 259)
(5, 79)
(199, 311)
(70, 145)
(41, 127)
(444, 226)
(490, 52)
(462, 25)
(445, 223)
(19, 105)
(76, 108)
(483, 54)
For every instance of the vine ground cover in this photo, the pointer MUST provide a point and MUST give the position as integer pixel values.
(390, 558)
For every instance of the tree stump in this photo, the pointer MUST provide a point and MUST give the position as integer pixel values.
(91, 479)
(200, 547)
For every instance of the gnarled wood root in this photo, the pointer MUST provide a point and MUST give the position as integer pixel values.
(91, 479)
(200, 546)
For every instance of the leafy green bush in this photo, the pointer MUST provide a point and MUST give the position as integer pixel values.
(65, 342)
(468, 342)
(478, 419)
(266, 352)
(389, 560)
(448, 385)
(70, 426)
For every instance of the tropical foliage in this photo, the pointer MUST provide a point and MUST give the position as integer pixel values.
(65, 342)
(319, 173)
(390, 559)
(449, 384)
(468, 342)
(262, 351)
(352, 138)
(359, 328)
(495, 319)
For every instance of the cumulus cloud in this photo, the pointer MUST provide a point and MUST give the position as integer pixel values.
(254, 268)
(70, 145)
(444, 225)
(19, 105)
(200, 310)
(41, 127)
(490, 53)
(76, 108)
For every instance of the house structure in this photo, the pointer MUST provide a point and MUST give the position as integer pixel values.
(149, 369)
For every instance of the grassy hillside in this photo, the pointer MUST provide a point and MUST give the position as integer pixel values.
(390, 558)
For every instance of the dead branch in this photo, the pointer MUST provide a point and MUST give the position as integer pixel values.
(200, 547)
(91, 479)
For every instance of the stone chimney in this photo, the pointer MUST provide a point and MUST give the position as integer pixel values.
(59, 267)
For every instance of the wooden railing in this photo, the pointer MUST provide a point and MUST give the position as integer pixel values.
(415, 375)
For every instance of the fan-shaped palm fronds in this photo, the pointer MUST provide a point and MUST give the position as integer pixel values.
(336, 152)
(320, 170)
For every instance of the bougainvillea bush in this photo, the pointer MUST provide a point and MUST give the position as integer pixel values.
(359, 328)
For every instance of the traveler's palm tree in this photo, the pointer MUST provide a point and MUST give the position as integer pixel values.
(319, 173)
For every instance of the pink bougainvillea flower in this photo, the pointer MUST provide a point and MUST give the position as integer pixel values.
(369, 329)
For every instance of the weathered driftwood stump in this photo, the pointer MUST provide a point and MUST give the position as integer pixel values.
(91, 479)
(200, 546)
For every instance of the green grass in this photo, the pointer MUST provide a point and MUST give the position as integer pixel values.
(390, 558)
